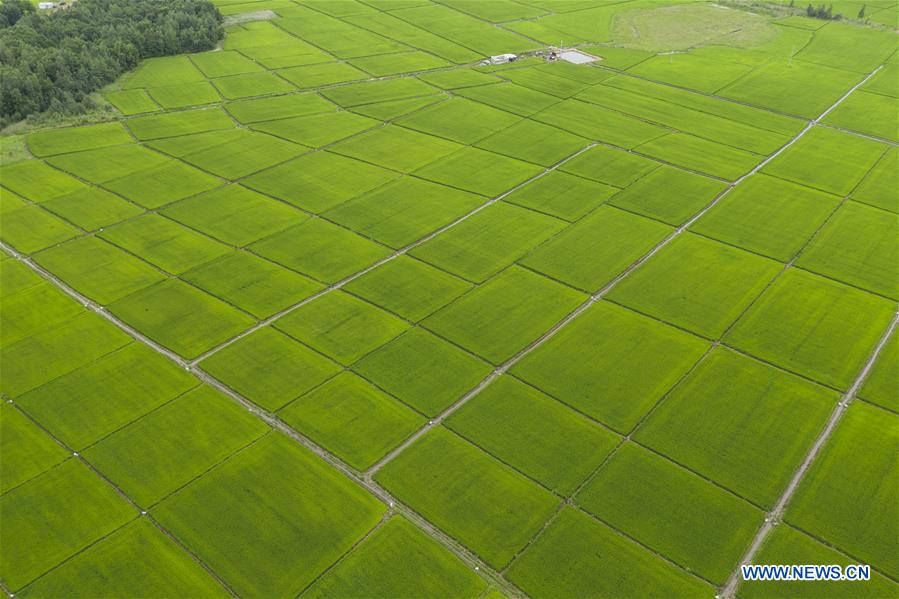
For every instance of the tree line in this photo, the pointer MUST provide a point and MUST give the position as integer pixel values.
(51, 62)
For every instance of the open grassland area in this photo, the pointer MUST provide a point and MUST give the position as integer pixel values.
(339, 311)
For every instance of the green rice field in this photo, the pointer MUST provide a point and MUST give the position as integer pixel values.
(341, 310)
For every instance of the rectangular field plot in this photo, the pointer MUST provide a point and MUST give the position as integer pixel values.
(669, 194)
(701, 121)
(516, 99)
(253, 84)
(144, 560)
(534, 142)
(165, 243)
(232, 153)
(459, 120)
(593, 251)
(458, 78)
(221, 64)
(697, 284)
(92, 208)
(77, 139)
(253, 284)
(423, 371)
(403, 210)
(545, 81)
(858, 245)
(317, 130)
(395, 64)
(610, 166)
(484, 244)
(873, 114)
(341, 326)
(104, 164)
(768, 215)
(353, 419)
(132, 101)
(691, 71)
(98, 269)
(278, 107)
(881, 384)
(168, 70)
(135, 380)
(320, 180)
(51, 353)
(696, 524)
(30, 228)
(577, 556)
(701, 155)
(829, 160)
(880, 187)
(534, 433)
(612, 364)
(813, 326)
(286, 511)
(19, 319)
(180, 317)
(27, 450)
(394, 109)
(795, 88)
(62, 512)
(850, 496)
(184, 96)
(599, 124)
(358, 94)
(38, 182)
(157, 187)
(479, 171)
(504, 315)
(380, 567)
(395, 148)
(320, 250)
(561, 195)
(789, 546)
(408, 287)
(317, 75)
(234, 214)
(172, 124)
(751, 443)
(269, 368)
(473, 497)
(168, 448)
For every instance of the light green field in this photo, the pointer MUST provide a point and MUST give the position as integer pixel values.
(486, 243)
(535, 434)
(813, 326)
(480, 501)
(269, 368)
(353, 419)
(857, 246)
(320, 250)
(145, 459)
(668, 194)
(504, 315)
(697, 524)
(612, 364)
(342, 326)
(423, 370)
(851, 504)
(753, 456)
(562, 561)
(301, 514)
(697, 284)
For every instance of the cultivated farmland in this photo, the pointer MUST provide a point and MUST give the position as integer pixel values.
(340, 309)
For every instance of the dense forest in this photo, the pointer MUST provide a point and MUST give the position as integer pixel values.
(52, 62)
